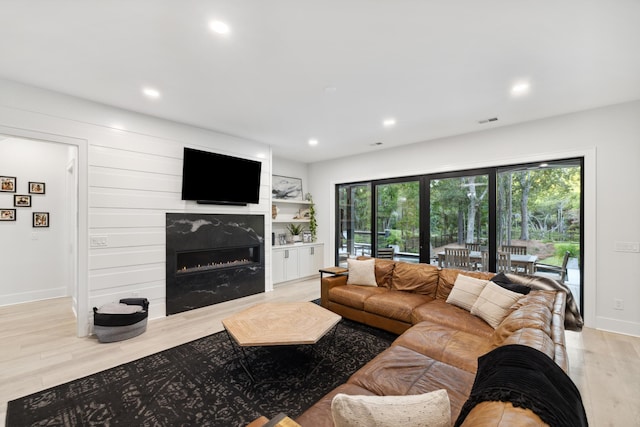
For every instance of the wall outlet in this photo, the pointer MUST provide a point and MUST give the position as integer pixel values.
(98, 241)
(618, 304)
(627, 246)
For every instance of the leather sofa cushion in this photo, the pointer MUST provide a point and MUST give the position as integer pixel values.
(416, 278)
(384, 272)
(446, 344)
(400, 371)
(501, 414)
(534, 338)
(354, 295)
(448, 276)
(532, 311)
(439, 311)
(397, 305)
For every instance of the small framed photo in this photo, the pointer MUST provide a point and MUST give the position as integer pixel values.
(36, 187)
(7, 214)
(8, 184)
(306, 236)
(41, 219)
(22, 201)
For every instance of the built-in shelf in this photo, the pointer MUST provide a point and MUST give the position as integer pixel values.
(294, 202)
(286, 221)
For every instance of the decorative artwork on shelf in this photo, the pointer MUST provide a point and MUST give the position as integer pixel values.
(306, 236)
(7, 214)
(41, 219)
(8, 184)
(286, 188)
(36, 187)
(22, 201)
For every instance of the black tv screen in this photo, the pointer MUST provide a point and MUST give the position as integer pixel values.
(219, 179)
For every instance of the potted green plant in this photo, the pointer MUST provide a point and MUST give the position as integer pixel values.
(313, 224)
(296, 231)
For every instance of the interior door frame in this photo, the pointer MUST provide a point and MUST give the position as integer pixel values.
(81, 273)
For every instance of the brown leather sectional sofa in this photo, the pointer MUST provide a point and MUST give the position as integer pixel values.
(439, 343)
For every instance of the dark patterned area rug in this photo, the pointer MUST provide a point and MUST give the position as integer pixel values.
(201, 383)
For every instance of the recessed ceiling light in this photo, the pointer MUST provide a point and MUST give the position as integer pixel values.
(313, 142)
(150, 92)
(521, 88)
(389, 122)
(219, 27)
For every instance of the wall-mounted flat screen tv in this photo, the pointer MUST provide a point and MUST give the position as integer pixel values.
(219, 179)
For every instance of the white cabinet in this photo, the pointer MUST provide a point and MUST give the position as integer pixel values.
(285, 264)
(310, 260)
(292, 262)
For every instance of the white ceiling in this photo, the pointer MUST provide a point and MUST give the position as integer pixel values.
(438, 67)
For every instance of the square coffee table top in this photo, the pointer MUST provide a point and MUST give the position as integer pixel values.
(280, 323)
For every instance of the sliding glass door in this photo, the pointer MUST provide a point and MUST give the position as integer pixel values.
(397, 221)
(458, 213)
(531, 211)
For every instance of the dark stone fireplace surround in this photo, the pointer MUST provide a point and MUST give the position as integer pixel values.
(212, 258)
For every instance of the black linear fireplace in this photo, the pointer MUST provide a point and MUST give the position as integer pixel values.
(212, 258)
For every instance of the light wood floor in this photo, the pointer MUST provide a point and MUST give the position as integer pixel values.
(39, 349)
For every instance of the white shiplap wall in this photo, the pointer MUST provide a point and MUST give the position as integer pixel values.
(133, 182)
(133, 178)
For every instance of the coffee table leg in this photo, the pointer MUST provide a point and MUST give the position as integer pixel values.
(241, 355)
(330, 341)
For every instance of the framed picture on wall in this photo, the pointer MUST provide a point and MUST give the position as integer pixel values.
(36, 187)
(41, 219)
(7, 214)
(22, 201)
(8, 184)
(286, 188)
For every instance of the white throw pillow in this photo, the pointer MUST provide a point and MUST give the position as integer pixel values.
(362, 272)
(494, 304)
(465, 291)
(420, 410)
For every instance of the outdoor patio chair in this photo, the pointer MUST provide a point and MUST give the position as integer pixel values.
(457, 258)
(504, 263)
(553, 271)
(473, 246)
(385, 253)
(514, 249)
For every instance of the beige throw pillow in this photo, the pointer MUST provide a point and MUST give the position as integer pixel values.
(362, 272)
(494, 304)
(421, 410)
(465, 291)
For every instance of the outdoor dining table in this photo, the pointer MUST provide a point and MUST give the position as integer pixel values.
(525, 262)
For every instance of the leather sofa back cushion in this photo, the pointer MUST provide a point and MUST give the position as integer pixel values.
(531, 311)
(448, 278)
(384, 272)
(418, 278)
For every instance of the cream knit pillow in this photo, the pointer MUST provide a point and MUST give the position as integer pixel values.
(494, 304)
(421, 410)
(362, 272)
(465, 291)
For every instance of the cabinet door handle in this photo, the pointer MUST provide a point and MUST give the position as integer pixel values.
(286, 253)
(313, 252)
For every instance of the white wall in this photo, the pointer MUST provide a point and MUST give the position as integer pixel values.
(609, 138)
(134, 165)
(34, 261)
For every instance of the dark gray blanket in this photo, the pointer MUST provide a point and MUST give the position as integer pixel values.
(528, 379)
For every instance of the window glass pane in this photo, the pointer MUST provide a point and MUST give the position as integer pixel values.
(398, 219)
(459, 212)
(354, 223)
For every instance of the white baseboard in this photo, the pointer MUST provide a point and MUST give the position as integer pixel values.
(618, 326)
(22, 297)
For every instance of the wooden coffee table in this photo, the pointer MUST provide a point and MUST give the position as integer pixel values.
(279, 324)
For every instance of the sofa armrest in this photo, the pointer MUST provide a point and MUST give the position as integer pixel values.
(327, 283)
